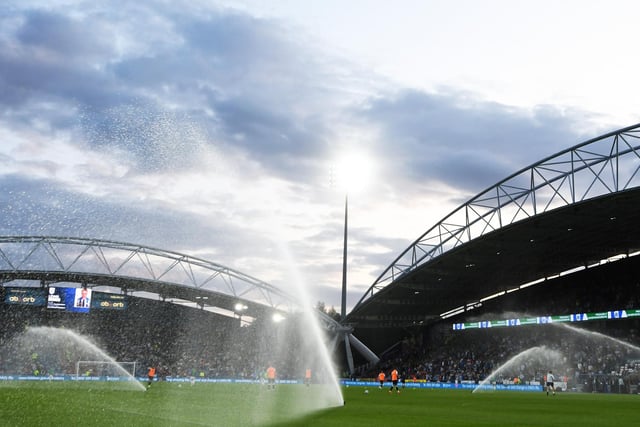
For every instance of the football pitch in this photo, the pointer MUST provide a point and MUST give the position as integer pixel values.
(169, 404)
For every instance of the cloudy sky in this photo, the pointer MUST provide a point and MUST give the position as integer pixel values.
(214, 128)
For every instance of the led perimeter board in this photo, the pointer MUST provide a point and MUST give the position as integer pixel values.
(105, 301)
(540, 320)
(25, 296)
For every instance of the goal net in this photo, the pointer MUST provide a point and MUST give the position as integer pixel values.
(106, 368)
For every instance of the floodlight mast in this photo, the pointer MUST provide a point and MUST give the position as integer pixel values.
(353, 171)
(343, 308)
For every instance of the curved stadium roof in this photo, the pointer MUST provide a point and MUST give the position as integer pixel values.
(138, 270)
(566, 212)
(135, 269)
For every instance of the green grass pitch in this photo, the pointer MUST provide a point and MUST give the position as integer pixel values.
(167, 404)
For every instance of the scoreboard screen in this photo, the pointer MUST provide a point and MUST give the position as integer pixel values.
(105, 301)
(25, 296)
(77, 300)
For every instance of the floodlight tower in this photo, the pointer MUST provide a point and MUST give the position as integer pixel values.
(352, 174)
(343, 308)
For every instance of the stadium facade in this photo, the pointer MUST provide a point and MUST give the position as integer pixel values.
(561, 226)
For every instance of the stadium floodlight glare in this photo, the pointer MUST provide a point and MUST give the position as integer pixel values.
(240, 307)
(277, 317)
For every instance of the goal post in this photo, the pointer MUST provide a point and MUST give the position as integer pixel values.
(106, 368)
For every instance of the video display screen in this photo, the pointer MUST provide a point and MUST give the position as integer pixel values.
(538, 320)
(76, 300)
(105, 301)
(25, 296)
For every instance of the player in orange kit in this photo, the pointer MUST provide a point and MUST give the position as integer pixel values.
(394, 381)
(381, 379)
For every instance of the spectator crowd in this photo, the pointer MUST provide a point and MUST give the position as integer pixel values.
(184, 341)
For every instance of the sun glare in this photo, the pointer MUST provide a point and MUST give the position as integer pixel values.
(352, 171)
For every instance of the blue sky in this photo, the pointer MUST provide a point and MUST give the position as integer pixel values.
(213, 127)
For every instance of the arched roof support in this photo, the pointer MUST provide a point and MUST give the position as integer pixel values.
(61, 257)
(604, 165)
(130, 267)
